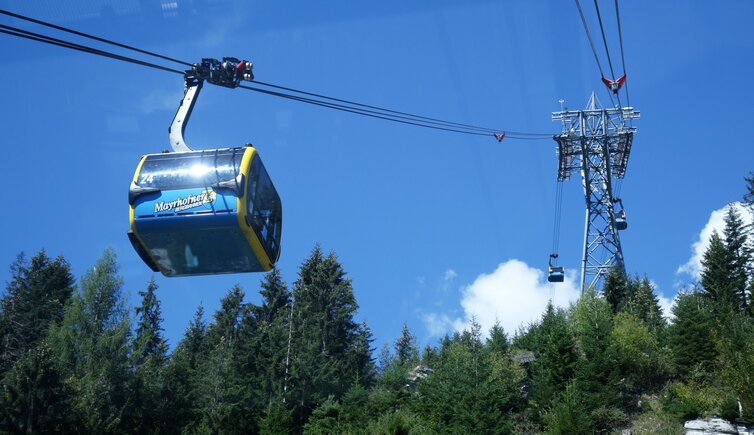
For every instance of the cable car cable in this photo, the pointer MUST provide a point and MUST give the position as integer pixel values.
(351, 110)
(65, 44)
(607, 50)
(604, 40)
(451, 123)
(410, 119)
(54, 41)
(591, 44)
(370, 113)
(86, 35)
(390, 112)
(558, 215)
(366, 112)
(622, 56)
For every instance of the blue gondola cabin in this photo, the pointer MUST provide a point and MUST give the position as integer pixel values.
(555, 274)
(205, 212)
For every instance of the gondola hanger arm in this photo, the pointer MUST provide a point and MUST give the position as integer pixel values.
(227, 73)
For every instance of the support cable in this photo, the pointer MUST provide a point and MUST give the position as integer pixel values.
(372, 114)
(622, 56)
(558, 215)
(347, 106)
(436, 121)
(607, 50)
(591, 44)
(65, 44)
(86, 35)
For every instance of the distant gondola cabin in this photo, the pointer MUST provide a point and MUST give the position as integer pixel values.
(205, 212)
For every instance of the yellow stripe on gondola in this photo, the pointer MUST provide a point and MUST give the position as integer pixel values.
(131, 217)
(248, 232)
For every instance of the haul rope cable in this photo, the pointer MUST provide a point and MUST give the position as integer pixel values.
(348, 106)
(370, 113)
(607, 50)
(622, 56)
(591, 44)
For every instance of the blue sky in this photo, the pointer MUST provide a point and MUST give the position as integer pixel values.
(430, 226)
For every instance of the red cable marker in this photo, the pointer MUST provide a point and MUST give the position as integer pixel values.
(614, 85)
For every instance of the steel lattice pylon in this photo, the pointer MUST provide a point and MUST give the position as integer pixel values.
(597, 142)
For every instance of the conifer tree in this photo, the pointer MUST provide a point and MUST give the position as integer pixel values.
(690, 334)
(222, 390)
(615, 290)
(749, 195)
(739, 255)
(35, 397)
(91, 344)
(556, 361)
(324, 332)
(748, 202)
(406, 351)
(276, 420)
(34, 300)
(498, 339)
(595, 377)
(359, 357)
(470, 390)
(636, 354)
(271, 338)
(184, 376)
(717, 279)
(149, 358)
(645, 306)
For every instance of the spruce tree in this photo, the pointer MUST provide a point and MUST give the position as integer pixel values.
(271, 337)
(748, 202)
(497, 340)
(184, 376)
(91, 345)
(149, 358)
(324, 332)
(615, 290)
(637, 356)
(739, 255)
(359, 357)
(717, 279)
(35, 397)
(469, 390)
(34, 300)
(556, 359)
(222, 390)
(690, 334)
(596, 382)
(406, 351)
(749, 195)
(645, 306)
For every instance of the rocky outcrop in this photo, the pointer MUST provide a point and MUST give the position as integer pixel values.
(716, 426)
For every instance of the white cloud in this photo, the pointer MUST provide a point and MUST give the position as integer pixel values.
(693, 267)
(667, 305)
(514, 294)
(446, 282)
(438, 324)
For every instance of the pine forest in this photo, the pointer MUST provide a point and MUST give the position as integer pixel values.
(75, 358)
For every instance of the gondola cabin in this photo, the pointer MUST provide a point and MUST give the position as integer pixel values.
(205, 212)
(555, 274)
(620, 221)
